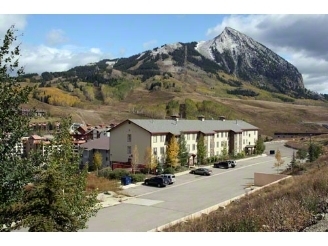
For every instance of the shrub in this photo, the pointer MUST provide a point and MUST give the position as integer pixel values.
(169, 170)
(181, 168)
(115, 174)
(240, 155)
(139, 177)
(119, 173)
(144, 170)
(105, 173)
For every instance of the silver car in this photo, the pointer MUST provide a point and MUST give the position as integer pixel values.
(170, 177)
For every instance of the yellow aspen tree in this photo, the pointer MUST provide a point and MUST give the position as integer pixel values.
(172, 153)
(279, 161)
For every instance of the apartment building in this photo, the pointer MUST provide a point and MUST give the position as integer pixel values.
(233, 135)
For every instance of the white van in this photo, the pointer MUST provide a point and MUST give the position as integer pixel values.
(170, 177)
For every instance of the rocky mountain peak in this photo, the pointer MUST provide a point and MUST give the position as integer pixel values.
(247, 59)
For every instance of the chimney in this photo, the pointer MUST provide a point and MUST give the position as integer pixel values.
(201, 117)
(175, 117)
(222, 118)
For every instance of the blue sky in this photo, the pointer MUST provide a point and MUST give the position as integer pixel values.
(93, 30)
(117, 35)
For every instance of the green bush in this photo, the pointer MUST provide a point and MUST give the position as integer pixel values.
(138, 177)
(169, 170)
(212, 159)
(104, 173)
(181, 168)
(119, 173)
(144, 170)
(240, 155)
(115, 174)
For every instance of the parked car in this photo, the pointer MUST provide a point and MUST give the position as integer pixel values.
(170, 177)
(225, 164)
(201, 171)
(233, 163)
(156, 181)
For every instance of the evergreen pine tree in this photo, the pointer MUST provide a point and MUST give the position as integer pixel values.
(183, 152)
(201, 152)
(57, 201)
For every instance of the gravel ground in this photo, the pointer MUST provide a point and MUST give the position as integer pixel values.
(321, 226)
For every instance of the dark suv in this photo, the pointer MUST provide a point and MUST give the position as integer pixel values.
(156, 181)
(225, 164)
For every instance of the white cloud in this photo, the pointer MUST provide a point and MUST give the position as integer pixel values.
(6, 21)
(149, 44)
(95, 51)
(43, 58)
(55, 37)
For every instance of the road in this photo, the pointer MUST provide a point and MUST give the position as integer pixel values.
(151, 207)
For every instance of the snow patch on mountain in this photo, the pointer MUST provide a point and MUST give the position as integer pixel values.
(204, 48)
(110, 63)
(237, 44)
(166, 49)
(141, 55)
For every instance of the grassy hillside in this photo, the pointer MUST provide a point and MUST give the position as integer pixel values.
(160, 96)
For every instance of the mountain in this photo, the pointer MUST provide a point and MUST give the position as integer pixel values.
(249, 60)
(245, 61)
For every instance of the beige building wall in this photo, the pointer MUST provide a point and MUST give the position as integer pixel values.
(191, 141)
(221, 138)
(143, 139)
(121, 146)
(238, 143)
(158, 147)
(249, 137)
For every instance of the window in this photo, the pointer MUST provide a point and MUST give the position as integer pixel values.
(226, 134)
(162, 150)
(154, 151)
(243, 141)
(254, 132)
(249, 135)
(193, 136)
(221, 134)
(194, 147)
(129, 137)
(129, 150)
(188, 136)
(188, 147)
(217, 144)
(154, 139)
(162, 138)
